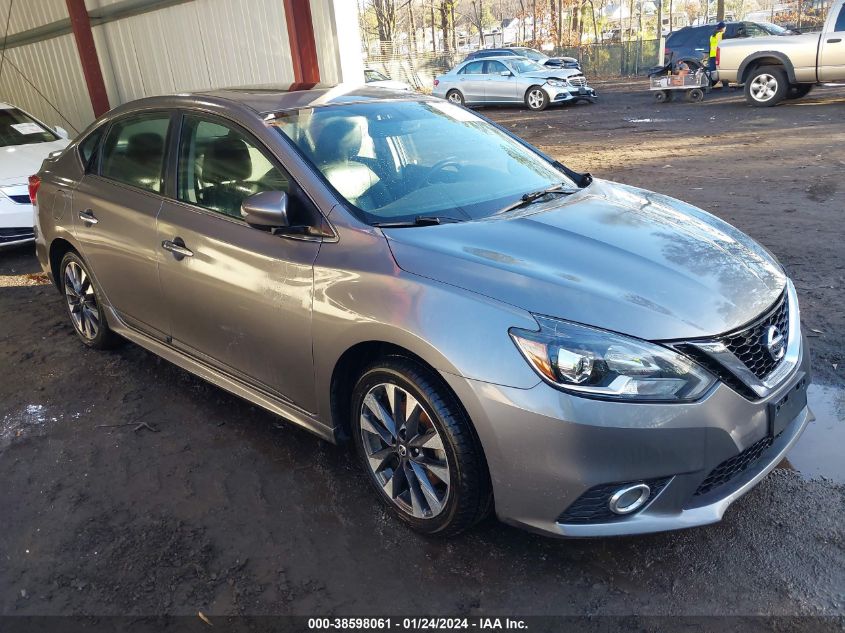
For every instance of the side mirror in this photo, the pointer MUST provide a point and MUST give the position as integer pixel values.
(61, 132)
(506, 73)
(266, 210)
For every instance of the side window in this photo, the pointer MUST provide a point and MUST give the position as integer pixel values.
(219, 167)
(88, 146)
(494, 68)
(840, 20)
(475, 68)
(133, 152)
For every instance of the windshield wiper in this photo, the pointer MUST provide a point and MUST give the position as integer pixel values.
(420, 220)
(533, 196)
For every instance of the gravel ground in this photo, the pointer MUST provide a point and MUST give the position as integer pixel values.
(226, 509)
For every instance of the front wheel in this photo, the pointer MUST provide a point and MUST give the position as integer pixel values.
(418, 447)
(695, 95)
(536, 99)
(766, 86)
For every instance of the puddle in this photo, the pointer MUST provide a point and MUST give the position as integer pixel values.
(819, 451)
(25, 421)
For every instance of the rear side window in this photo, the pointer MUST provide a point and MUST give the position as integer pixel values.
(475, 68)
(133, 152)
(840, 21)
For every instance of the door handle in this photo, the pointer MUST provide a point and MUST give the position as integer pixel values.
(178, 248)
(835, 40)
(88, 217)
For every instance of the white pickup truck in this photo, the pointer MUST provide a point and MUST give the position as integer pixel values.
(787, 66)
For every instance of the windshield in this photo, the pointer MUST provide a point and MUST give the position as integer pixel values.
(774, 29)
(400, 160)
(525, 66)
(374, 75)
(530, 53)
(17, 128)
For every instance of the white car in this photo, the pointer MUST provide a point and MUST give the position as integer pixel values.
(375, 78)
(24, 143)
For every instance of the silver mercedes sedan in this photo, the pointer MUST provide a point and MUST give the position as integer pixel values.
(509, 80)
(493, 331)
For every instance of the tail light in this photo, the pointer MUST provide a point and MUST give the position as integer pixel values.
(34, 184)
(436, 82)
(718, 54)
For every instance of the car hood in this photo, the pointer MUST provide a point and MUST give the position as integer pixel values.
(552, 73)
(612, 256)
(19, 162)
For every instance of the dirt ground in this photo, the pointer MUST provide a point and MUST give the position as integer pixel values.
(226, 509)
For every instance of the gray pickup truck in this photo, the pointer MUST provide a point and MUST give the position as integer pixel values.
(786, 67)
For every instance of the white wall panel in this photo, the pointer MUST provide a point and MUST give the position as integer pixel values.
(30, 14)
(199, 45)
(338, 41)
(54, 67)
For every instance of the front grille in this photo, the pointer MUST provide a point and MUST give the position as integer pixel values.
(718, 370)
(16, 235)
(592, 506)
(749, 345)
(578, 81)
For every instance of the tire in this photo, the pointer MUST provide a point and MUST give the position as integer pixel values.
(435, 480)
(536, 99)
(661, 96)
(766, 86)
(455, 97)
(83, 302)
(797, 91)
(695, 95)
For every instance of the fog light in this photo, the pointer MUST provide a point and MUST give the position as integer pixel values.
(629, 499)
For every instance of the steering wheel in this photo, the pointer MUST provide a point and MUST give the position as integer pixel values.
(440, 165)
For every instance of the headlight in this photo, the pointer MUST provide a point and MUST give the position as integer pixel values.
(603, 364)
(558, 83)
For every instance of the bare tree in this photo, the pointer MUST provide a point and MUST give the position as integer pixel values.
(385, 11)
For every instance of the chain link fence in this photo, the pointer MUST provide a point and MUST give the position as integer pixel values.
(597, 60)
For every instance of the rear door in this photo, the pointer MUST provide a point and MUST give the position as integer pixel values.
(239, 297)
(114, 215)
(499, 88)
(472, 80)
(832, 51)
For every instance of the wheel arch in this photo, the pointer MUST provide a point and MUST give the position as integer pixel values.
(59, 247)
(765, 58)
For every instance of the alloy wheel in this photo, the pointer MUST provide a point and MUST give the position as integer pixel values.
(763, 87)
(455, 97)
(404, 451)
(535, 99)
(81, 301)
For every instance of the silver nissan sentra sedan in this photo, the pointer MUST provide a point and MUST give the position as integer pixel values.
(492, 330)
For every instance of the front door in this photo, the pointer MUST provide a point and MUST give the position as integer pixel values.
(239, 297)
(832, 51)
(500, 88)
(114, 215)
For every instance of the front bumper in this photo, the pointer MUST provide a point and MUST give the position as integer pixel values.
(569, 93)
(546, 448)
(16, 219)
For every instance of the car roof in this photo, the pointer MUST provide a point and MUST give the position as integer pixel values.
(266, 99)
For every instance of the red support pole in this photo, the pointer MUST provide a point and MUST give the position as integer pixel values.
(303, 48)
(81, 25)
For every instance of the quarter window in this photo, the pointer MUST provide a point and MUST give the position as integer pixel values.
(89, 145)
(219, 167)
(133, 152)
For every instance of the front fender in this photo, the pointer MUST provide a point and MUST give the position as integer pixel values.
(361, 295)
